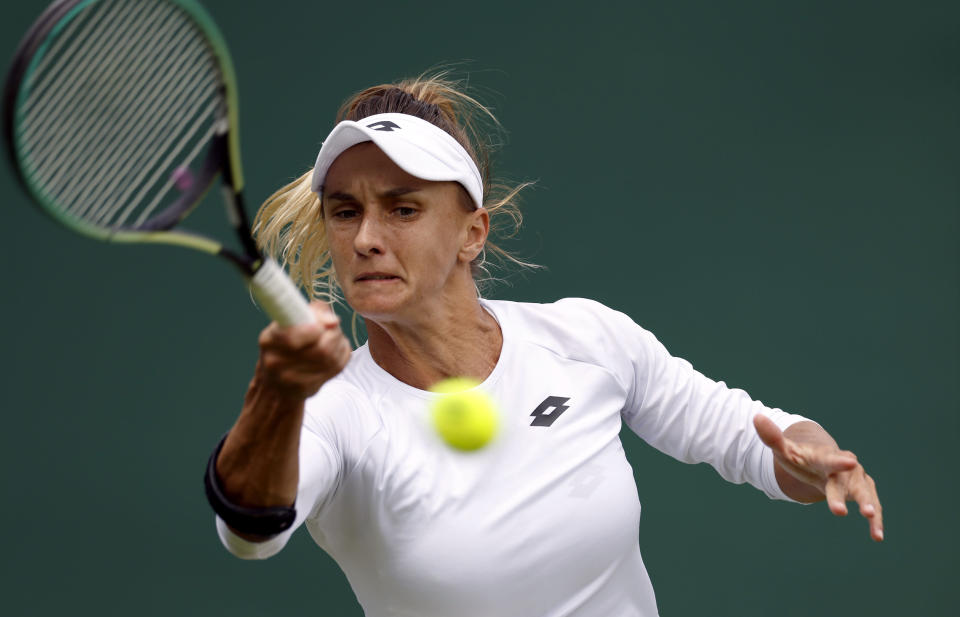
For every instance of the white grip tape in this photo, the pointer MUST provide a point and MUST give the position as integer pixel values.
(278, 296)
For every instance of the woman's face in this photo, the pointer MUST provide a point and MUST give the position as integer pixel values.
(398, 243)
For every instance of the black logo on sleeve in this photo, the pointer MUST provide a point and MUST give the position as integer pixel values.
(543, 417)
(383, 125)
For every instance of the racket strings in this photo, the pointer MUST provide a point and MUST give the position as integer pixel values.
(97, 201)
(72, 70)
(171, 182)
(93, 118)
(164, 172)
(191, 116)
(126, 98)
(165, 97)
(114, 137)
(51, 74)
(133, 136)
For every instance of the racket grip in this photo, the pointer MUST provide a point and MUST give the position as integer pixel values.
(278, 296)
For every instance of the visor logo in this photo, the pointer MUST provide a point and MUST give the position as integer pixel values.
(383, 125)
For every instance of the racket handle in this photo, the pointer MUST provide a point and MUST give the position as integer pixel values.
(278, 296)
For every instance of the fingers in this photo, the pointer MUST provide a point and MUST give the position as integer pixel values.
(299, 359)
(324, 314)
(876, 527)
(336, 347)
(811, 456)
(836, 496)
(856, 485)
(770, 434)
(300, 336)
(865, 494)
(290, 338)
(831, 461)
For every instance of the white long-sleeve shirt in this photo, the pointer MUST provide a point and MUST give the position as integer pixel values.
(544, 521)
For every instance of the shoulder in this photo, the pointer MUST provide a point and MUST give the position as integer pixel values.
(578, 328)
(565, 316)
(582, 308)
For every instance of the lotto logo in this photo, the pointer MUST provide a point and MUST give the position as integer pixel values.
(543, 417)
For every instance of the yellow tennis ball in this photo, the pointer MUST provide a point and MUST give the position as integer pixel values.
(465, 417)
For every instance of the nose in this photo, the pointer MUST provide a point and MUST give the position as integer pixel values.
(369, 238)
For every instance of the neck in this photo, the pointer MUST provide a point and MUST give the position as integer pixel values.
(453, 339)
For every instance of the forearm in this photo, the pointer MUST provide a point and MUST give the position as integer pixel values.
(803, 433)
(258, 465)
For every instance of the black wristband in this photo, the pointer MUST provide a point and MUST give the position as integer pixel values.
(263, 522)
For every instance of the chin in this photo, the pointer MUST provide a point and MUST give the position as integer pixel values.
(375, 308)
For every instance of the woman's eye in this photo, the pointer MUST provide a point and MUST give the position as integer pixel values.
(345, 213)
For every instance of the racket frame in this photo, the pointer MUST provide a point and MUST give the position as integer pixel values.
(223, 155)
(268, 283)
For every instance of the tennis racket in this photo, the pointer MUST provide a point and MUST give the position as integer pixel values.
(119, 115)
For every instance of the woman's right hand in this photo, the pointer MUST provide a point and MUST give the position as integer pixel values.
(298, 360)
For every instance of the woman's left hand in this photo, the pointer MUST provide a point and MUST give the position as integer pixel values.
(810, 467)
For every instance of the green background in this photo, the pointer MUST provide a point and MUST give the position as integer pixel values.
(770, 187)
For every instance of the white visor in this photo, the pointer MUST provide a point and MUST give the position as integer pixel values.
(418, 147)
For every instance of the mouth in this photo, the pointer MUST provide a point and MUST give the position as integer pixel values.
(376, 277)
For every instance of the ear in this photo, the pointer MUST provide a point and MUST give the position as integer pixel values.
(478, 227)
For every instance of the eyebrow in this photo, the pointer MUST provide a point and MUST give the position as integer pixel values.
(397, 192)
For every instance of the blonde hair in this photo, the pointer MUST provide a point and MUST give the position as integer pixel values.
(290, 227)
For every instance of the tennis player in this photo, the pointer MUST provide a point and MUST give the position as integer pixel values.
(544, 521)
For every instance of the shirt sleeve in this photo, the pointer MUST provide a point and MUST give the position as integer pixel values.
(690, 417)
(321, 469)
